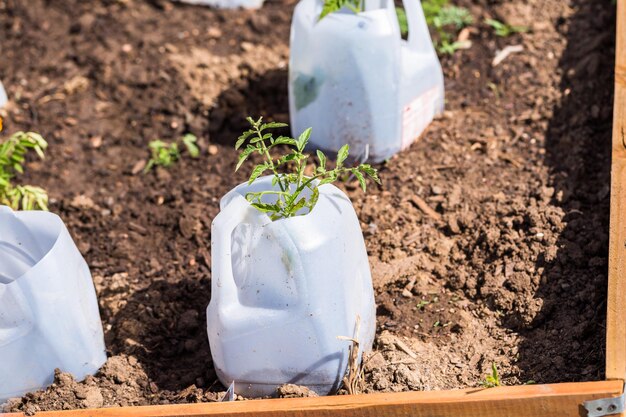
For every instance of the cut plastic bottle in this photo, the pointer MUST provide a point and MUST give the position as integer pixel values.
(352, 78)
(226, 4)
(3, 96)
(283, 291)
(49, 314)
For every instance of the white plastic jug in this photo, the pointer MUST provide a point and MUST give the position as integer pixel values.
(283, 291)
(227, 4)
(354, 80)
(3, 96)
(49, 315)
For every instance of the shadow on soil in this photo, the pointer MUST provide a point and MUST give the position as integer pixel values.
(573, 285)
(264, 95)
(164, 327)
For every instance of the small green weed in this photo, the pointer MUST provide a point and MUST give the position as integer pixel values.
(289, 200)
(492, 380)
(13, 153)
(165, 154)
(503, 29)
(446, 21)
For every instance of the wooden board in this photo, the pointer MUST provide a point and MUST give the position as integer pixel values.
(616, 302)
(557, 400)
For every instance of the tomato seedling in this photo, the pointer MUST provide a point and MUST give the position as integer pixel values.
(331, 6)
(288, 199)
(165, 154)
(12, 156)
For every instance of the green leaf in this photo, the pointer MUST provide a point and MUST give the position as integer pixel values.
(284, 140)
(244, 155)
(342, 155)
(299, 205)
(361, 179)
(273, 125)
(287, 158)
(266, 208)
(331, 6)
(189, 140)
(322, 158)
(303, 139)
(252, 122)
(371, 172)
(257, 171)
(314, 198)
(243, 138)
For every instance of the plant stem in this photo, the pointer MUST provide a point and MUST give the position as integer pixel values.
(269, 158)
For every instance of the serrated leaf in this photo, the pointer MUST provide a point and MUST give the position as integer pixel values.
(287, 158)
(326, 180)
(284, 140)
(314, 198)
(244, 155)
(361, 179)
(189, 141)
(266, 208)
(322, 158)
(273, 125)
(256, 172)
(299, 205)
(245, 135)
(371, 172)
(342, 155)
(303, 139)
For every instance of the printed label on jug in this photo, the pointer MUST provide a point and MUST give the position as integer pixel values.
(417, 115)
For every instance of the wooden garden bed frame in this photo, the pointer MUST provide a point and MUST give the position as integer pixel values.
(555, 400)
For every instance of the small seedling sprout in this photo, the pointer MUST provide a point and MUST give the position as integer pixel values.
(289, 200)
(165, 154)
(504, 30)
(13, 153)
(492, 380)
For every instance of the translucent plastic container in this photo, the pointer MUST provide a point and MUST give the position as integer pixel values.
(227, 4)
(3, 96)
(283, 291)
(49, 315)
(354, 80)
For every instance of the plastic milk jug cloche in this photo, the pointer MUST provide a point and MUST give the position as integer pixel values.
(49, 314)
(352, 78)
(284, 292)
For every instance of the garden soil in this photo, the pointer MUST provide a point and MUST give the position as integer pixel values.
(488, 239)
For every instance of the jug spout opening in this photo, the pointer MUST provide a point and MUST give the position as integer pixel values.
(25, 240)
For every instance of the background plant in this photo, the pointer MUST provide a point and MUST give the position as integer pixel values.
(331, 6)
(165, 154)
(504, 29)
(446, 21)
(288, 198)
(13, 153)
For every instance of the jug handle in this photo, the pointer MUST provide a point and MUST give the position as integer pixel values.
(418, 28)
(221, 247)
